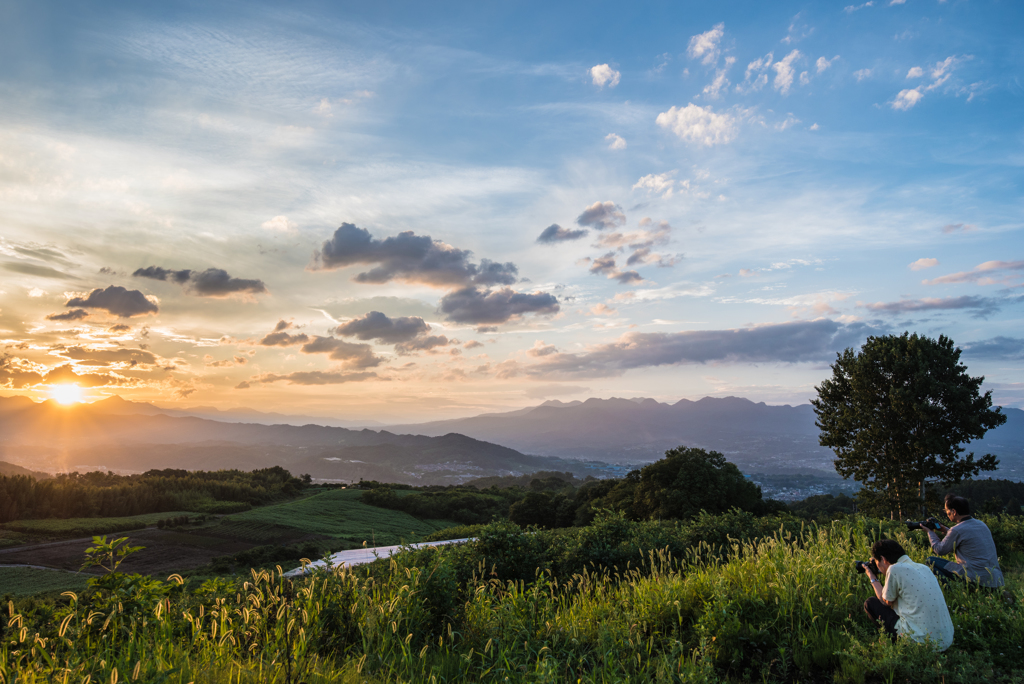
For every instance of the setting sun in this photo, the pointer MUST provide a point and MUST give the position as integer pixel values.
(66, 394)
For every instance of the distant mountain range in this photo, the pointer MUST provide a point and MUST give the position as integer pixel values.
(755, 436)
(119, 435)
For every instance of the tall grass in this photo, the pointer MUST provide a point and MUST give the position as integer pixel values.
(785, 607)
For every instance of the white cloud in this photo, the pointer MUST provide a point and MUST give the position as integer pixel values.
(915, 72)
(789, 121)
(850, 9)
(656, 183)
(921, 264)
(714, 89)
(804, 78)
(324, 108)
(822, 64)
(699, 124)
(897, 2)
(36, 292)
(784, 72)
(704, 46)
(906, 99)
(279, 223)
(615, 142)
(759, 65)
(814, 127)
(603, 75)
(861, 74)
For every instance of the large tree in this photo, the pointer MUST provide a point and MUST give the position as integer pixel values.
(896, 414)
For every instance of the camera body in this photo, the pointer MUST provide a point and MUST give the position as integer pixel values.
(861, 566)
(928, 524)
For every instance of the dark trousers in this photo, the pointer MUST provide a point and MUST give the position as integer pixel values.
(938, 566)
(883, 615)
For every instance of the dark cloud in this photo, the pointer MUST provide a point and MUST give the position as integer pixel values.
(377, 326)
(1008, 348)
(314, 377)
(981, 306)
(116, 300)
(280, 338)
(242, 385)
(103, 357)
(73, 315)
(556, 233)
(213, 282)
(354, 355)
(803, 341)
(120, 327)
(471, 305)
(422, 344)
(605, 265)
(627, 277)
(602, 215)
(472, 344)
(159, 273)
(408, 257)
(17, 373)
(33, 269)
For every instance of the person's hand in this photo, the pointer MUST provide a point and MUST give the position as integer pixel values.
(871, 576)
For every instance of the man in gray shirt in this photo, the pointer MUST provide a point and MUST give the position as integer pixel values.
(971, 543)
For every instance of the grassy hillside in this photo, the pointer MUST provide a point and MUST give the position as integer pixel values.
(81, 527)
(28, 581)
(785, 607)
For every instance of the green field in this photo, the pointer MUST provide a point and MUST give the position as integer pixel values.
(339, 513)
(80, 527)
(26, 581)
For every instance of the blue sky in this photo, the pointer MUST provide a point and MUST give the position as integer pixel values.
(207, 205)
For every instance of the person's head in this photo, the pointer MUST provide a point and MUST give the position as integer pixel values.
(886, 552)
(956, 505)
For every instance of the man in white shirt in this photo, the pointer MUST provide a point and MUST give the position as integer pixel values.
(911, 603)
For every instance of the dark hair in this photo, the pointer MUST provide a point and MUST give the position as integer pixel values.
(958, 504)
(888, 549)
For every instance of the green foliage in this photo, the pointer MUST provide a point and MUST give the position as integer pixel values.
(458, 532)
(824, 506)
(108, 554)
(464, 505)
(779, 607)
(896, 414)
(15, 582)
(81, 527)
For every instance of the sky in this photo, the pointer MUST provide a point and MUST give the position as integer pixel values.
(414, 211)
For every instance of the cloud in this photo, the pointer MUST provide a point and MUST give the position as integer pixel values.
(907, 98)
(602, 215)
(35, 270)
(983, 274)
(915, 72)
(377, 326)
(699, 124)
(784, 72)
(213, 282)
(73, 315)
(641, 242)
(281, 338)
(353, 355)
(605, 265)
(922, 264)
(861, 74)
(822, 64)
(280, 224)
(615, 142)
(656, 183)
(119, 328)
(958, 228)
(982, 306)
(602, 309)
(18, 373)
(313, 377)
(720, 84)
(543, 391)
(1007, 348)
(794, 342)
(705, 46)
(105, 357)
(556, 233)
(117, 301)
(243, 385)
(603, 75)
(425, 343)
(850, 9)
(472, 344)
(471, 305)
(408, 257)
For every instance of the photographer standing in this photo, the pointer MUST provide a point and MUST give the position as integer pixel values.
(971, 542)
(911, 603)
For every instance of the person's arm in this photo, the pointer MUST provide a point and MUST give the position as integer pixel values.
(877, 586)
(945, 545)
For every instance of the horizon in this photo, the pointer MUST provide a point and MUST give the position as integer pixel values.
(400, 214)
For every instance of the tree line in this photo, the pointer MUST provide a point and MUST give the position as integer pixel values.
(98, 494)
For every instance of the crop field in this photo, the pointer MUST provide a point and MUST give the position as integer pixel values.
(82, 527)
(339, 514)
(28, 581)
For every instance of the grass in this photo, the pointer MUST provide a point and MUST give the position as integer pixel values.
(338, 513)
(28, 581)
(81, 527)
(786, 608)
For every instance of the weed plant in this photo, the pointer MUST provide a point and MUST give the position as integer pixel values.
(783, 606)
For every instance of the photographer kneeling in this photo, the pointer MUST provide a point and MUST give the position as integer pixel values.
(972, 545)
(911, 603)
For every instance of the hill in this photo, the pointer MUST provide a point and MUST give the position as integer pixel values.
(755, 436)
(10, 470)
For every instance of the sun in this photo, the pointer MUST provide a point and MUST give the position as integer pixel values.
(66, 394)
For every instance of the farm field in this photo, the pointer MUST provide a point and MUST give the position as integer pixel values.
(80, 527)
(28, 581)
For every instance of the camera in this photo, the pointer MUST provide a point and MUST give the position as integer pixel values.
(861, 566)
(928, 524)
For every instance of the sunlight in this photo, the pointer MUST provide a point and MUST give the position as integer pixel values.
(66, 394)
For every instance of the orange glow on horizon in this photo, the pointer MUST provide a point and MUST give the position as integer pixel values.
(66, 394)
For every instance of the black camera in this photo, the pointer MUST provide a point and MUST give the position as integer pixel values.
(861, 566)
(929, 524)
